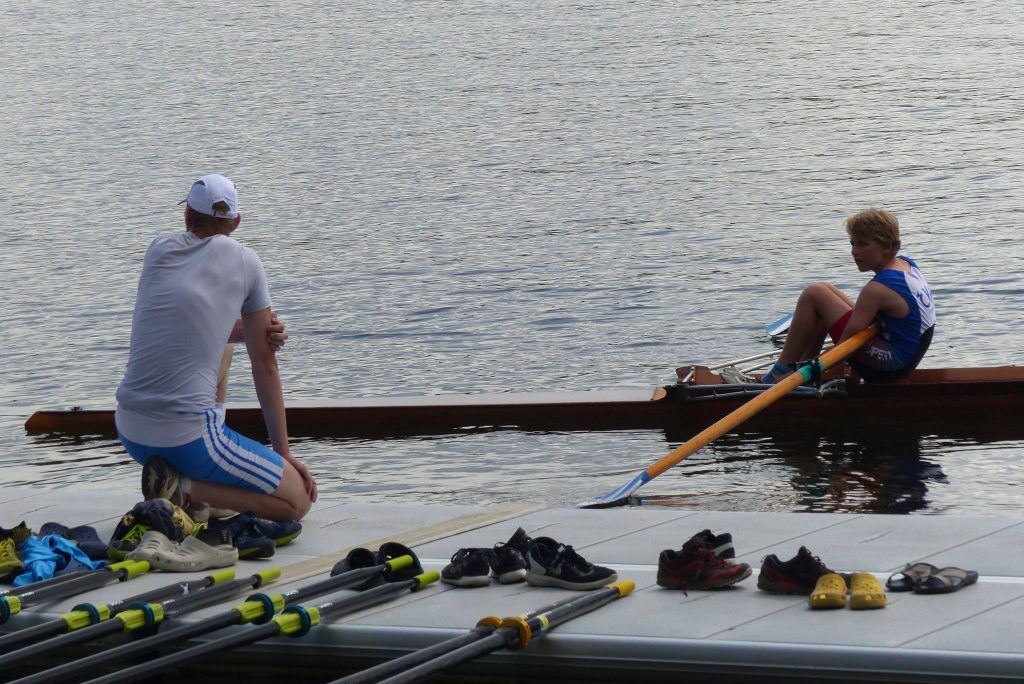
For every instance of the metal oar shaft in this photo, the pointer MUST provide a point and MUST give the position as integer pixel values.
(516, 635)
(367, 597)
(213, 623)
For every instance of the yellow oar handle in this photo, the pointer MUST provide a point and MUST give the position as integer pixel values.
(758, 403)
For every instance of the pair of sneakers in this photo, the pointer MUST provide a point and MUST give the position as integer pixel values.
(542, 562)
(361, 557)
(473, 567)
(706, 561)
(189, 555)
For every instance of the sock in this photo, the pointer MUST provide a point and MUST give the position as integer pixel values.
(776, 372)
(186, 484)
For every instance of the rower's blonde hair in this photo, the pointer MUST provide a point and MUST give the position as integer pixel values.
(875, 225)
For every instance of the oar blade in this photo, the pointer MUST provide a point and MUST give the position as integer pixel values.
(780, 326)
(620, 496)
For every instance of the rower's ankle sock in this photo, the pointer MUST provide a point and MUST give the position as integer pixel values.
(776, 372)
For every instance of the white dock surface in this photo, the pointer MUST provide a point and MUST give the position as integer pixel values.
(976, 634)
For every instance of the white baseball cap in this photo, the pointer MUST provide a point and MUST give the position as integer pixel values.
(209, 190)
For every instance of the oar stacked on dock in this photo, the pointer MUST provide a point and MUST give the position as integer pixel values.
(490, 634)
(259, 608)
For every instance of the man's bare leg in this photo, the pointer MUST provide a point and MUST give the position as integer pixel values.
(288, 502)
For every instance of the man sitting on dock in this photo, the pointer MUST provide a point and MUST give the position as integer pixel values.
(194, 285)
(898, 297)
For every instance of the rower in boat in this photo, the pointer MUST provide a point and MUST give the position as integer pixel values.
(192, 288)
(898, 297)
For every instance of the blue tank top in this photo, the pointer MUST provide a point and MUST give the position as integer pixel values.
(904, 334)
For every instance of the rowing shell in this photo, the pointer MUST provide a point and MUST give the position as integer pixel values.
(940, 401)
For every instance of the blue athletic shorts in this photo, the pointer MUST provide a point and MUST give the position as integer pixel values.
(221, 455)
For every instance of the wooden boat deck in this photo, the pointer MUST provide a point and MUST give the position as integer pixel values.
(654, 634)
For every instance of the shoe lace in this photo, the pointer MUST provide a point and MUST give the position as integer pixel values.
(463, 555)
(135, 533)
(568, 555)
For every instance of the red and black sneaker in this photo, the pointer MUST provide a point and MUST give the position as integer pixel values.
(795, 576)
(721, 544)
(696, 566)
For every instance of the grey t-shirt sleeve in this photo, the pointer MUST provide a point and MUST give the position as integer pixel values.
(257, 294)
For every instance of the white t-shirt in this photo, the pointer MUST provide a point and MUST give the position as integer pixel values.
(190, 293)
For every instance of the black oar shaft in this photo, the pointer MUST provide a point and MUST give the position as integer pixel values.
(82, 616)
(11, 604)
(129, 620)
(284, 624)
(58, 579)
(411, 660)
(483, 629)
(247, 612)
(515, 636)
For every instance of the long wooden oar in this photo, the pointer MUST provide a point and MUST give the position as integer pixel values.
(515, 633)
(620, 496)
(294, 621)
(484, 628)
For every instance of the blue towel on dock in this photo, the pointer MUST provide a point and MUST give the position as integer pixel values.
(51, 555)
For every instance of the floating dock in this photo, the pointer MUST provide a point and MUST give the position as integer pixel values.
(652, 635)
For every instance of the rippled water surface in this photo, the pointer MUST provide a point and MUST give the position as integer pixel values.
(462, 197)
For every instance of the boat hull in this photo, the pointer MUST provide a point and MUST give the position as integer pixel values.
(956, 401)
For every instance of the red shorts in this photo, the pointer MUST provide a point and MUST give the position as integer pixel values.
(836, 331)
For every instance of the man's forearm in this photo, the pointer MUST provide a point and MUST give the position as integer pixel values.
(271, 397)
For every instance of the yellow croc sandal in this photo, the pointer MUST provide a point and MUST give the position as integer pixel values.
(829, 592)
(866, 592)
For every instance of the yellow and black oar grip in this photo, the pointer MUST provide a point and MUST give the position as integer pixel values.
(141, 615)
(268, 575)
(624, 587)
(425, 579)
(133, 568)
(298, 620)
(9, 605)
(399, 563)
(222, 576)
(260, 608)
(84, 615)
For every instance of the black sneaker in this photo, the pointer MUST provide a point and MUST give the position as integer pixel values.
(507, 564)
(359, 558)
(552, 564)
(720, 544)
(245, 535)
(798, 575)
(469, 568)
(520, 541)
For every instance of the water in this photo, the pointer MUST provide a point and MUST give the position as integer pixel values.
(463, 197)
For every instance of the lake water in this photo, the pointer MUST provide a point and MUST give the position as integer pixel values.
(463, 197)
